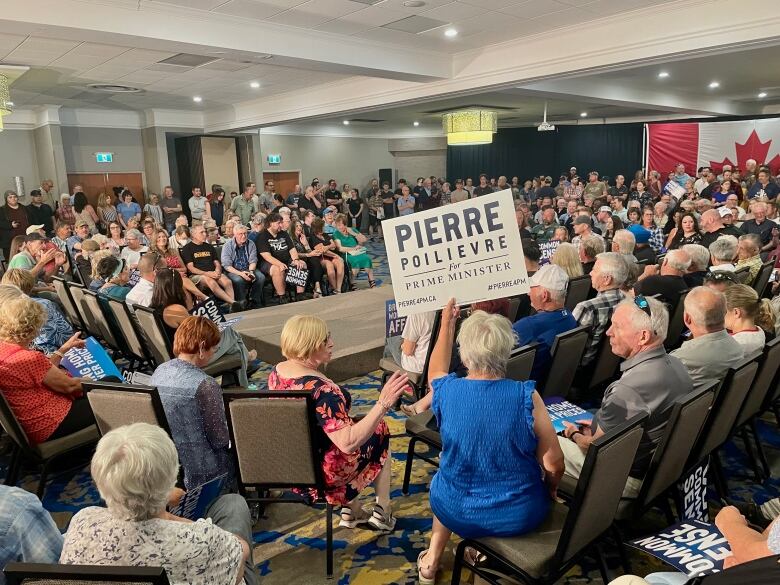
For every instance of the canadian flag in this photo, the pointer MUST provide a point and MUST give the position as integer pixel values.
(713, 144)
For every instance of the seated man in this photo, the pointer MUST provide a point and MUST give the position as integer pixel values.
(642, 249)
(548, 293)
(204, 267)
(277, 252)
(749, 254)
(666, 280)
(239, 259)
(722, 254)
(141, 293)
(27, 534)
(651, 381)
(712, 351)
(700, 261)
(608, 275)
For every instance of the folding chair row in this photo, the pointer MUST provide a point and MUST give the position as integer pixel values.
(41, 574)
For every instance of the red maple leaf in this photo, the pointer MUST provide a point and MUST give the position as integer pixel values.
(774, 164)
(752, 148)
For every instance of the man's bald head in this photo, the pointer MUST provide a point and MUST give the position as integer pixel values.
(148, 264)
(710, 221)
(705, 310)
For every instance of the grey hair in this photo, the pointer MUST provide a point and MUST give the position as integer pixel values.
(626, 240)
(678, 260)
(592, 245)
(614, 265)
(699, 255)
(706, 307)
(754, 239)
(658, 321)
(486, 340)
(240, 227)
(133, 233)
(135, 468)
(724, 249)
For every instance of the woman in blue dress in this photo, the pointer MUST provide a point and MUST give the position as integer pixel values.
(500, 462)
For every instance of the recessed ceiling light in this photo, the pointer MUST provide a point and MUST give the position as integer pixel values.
(197, 99)
(663, 74)
(254, 85)
(714, 84)
(346, 122)
(583, 114)
(761, 95)
(450, 32)
(414, 3)
(415, 123)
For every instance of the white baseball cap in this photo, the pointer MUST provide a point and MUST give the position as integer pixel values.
(34, 228)
(551, 277)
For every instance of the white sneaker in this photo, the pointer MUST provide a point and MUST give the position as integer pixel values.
(382, 520)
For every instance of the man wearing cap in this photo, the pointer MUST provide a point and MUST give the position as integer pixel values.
(712, 228)
(595, 188)
(547, 294)
(642, 248)
(74, 242)
(583, 228)
(328, 216)
(680, 176)
(604, 213)
(39, 213)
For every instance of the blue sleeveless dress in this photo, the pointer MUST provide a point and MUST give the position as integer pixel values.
(489, 482)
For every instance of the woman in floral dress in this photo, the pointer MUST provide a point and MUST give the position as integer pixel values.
(356, 453)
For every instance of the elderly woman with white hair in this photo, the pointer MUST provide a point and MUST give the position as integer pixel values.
(521, 462)
(135, 469)
(722, 253)
(132, 253)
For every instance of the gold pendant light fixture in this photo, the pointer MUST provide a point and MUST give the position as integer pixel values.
(469, 127)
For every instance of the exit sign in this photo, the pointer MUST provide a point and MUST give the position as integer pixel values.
(274, 159)
(104, 157)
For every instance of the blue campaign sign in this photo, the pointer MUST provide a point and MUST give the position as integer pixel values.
(548, 249)
(208, 308)
(692, 493)
(196, 501)
(561, 412)
(692, 547)
(394, 325)
(90, 361)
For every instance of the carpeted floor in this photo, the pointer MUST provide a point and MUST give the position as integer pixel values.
(289, 539)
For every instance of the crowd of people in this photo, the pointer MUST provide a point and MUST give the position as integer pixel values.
(713, 234)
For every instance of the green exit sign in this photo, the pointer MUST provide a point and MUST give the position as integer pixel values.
(274, 159)
(104, 157)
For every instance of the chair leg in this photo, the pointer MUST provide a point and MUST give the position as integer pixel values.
(408, 468)
(42, 481)
(666, 507)
(618, 536)
(757, 472)
(457, 568)
(14, 466)
(721, 486)
(760, 449)
(603, 569)
(329, 541)
(776, 410)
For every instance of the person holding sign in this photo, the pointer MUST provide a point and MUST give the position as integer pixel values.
(349, 241)
(500, 423)
(202, 263)
(278, 252)
(46, 401)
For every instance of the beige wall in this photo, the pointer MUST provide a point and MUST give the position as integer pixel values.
(18, 159)
(419, 157)
(80, 145)
(220, 163)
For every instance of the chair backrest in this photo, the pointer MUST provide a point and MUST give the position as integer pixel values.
(275, 437)
(95, 307)
(514, 306)
(125, 321)
(67, 302)
(766, 378)
(725, 409)
(577, 291)
(660, 259)
(40, 574)
(683, 428)
(151, 327)
(762, 278)
(606, 365)
(434, 336)
(566, 353)
(11, 425)
(600, 487)
(742, 274)
(521, 360)
(116, 405)
(87, 317)
(676, 323)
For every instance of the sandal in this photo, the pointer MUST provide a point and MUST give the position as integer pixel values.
(349, 520)
(473, 557)
(317, 294)
(371, 283)
(422, 579)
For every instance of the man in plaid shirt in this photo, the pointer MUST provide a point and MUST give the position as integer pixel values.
(27, 532)
(609, 273)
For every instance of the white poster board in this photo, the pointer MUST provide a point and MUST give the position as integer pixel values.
(471, 251)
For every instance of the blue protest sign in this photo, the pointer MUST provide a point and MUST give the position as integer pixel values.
(394, 325)
(562, 412)
(208, 308)
(692, 493)
(90, 361)
(548, 249)
(694, 548)
(196, 501)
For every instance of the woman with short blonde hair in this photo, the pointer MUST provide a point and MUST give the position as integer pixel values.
(568, 257)
(358, 452)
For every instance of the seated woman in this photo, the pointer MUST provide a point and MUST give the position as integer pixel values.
(192, 401)
(114, 274)
(135, 529)
(95, 281)
(522, 462)
(686, 232)
(349, 241)
(567, 256)
(748, 318)
(332, 262)
(358, 452)
(311, 257)
(173, 261)
(170, 301)
(56, 330)
(46, 401)
(116, 240)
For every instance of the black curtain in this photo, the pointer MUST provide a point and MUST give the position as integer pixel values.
(189, 161)
(610, 149)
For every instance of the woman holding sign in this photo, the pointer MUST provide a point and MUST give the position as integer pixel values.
(350, 242)
(521, 462)
(46, 401)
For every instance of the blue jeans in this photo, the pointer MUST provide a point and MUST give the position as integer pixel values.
(242, 288)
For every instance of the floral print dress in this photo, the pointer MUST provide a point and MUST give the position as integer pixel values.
(345, 474)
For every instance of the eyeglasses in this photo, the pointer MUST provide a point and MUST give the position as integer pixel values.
(641, 302)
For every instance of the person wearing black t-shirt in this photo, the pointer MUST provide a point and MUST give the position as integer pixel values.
(483, 188)
(278, 252)
(333, 195)
(355, 206)
(205, 269)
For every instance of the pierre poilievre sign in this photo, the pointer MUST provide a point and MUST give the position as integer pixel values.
(469, 250)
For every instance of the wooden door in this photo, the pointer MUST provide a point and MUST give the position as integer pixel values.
(132, 181)
(284, 182)
(93, 184)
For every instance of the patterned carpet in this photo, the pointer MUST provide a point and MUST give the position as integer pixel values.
(290, 539)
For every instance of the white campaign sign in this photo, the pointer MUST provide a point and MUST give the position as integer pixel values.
(470, 250)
